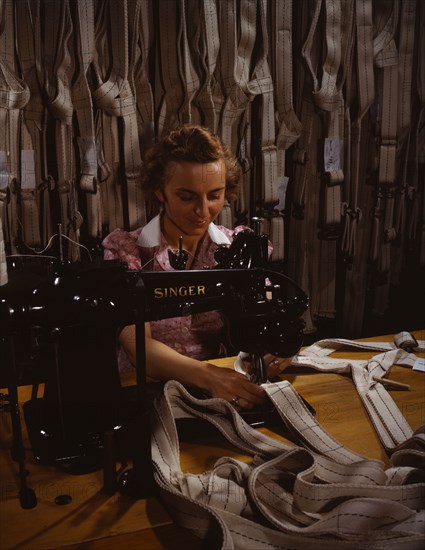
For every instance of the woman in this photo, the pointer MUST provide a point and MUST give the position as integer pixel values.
(190, 173)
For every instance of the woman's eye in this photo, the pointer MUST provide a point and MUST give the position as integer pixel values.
(185, 198)
(214, 197)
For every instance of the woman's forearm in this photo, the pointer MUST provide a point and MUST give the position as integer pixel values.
(164, 363)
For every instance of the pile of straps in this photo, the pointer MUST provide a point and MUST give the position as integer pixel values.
(324, 99)
(319, 494)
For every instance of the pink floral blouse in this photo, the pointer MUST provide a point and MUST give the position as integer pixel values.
(199, 335)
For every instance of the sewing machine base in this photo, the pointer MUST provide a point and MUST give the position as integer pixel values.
(74, 439)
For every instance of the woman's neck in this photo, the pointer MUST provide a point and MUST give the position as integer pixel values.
(172, 235)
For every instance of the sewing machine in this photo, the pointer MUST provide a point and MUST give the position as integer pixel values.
(72, 315)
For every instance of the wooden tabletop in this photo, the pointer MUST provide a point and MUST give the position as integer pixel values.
(97, 521)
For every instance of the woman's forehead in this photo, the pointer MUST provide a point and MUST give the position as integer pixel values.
(193, 173)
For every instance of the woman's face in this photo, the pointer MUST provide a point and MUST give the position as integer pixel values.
(192, 197)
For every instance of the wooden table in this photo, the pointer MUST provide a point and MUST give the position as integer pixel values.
(97, 521)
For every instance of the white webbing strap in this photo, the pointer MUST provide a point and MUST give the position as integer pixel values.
(389, 422)
(83, 105)
(188, 74)
(207, 21)
(141, 33)
(58, 71)
(355, 240)
(415, 226)
(14, 95)
(172, 98)
(366, 92)
(288, 124)
(115, 97)
(107, 135)
(31, 128)
(237, 39)
(308, 500)
(327, 95)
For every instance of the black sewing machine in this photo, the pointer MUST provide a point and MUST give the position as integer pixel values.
(71, 315)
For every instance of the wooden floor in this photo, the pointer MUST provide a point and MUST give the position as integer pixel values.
(97, 521)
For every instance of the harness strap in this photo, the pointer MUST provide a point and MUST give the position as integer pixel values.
(83, 105)
(207, 21)
(344, 504)
(172, 98)
(14, 95)
(115, 97)
(289, 126)
(188, 75)
(31, 130)
(58, 71)
(141, 33)
(269, 151)
(389, 422)
(107, 134)
(236, 48)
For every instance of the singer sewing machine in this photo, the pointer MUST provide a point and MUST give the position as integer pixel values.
(71, 315)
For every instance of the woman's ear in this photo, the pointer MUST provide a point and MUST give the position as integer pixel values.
(160, 195)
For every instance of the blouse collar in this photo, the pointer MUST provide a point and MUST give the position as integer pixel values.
(150, 236)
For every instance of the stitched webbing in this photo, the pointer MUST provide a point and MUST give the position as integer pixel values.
(297, 491)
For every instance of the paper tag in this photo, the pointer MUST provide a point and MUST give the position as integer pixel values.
(332, 154)
(419, 364)
(27, 169)
(282, 185)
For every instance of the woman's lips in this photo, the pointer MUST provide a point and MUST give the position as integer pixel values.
(199, 223)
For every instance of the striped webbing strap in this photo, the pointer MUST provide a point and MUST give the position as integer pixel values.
(173, 93)
(31, 129)
(390, 424)
(288, 124)
(83, 105)
(419, 153)
(107, 134)
(14, 95)
(141, 33)
(386, 61)
(269, 152)
(327, 95)
(206, 18)
(115, 98)
(56, 73)
(188, 74)
(320, 495)
(237, 39)
(354, 241)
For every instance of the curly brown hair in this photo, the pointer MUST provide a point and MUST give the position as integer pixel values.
(190, 143)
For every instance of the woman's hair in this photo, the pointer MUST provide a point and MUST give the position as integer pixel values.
(190, 143)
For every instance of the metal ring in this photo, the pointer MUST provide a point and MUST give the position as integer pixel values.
(235, 401)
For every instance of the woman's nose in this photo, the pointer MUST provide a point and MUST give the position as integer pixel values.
(201, 208)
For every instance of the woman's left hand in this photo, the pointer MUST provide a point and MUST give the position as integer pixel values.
(275, 365)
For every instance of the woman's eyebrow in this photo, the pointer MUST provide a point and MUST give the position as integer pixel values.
(184, 190)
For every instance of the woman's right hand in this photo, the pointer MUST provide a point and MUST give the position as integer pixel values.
(234, 387)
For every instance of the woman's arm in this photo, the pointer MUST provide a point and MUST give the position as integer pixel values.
(164, 363)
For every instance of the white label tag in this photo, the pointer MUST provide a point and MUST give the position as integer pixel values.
(282, 185)
(332, 154)
(419, 364)
(28, 169)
